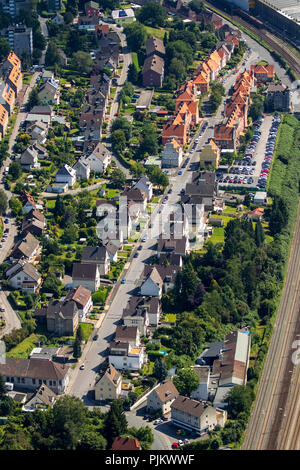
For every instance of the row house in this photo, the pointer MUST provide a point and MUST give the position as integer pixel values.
(3, 121)
(7, 97)
(227, 133)
(153, 69)
(34, 222)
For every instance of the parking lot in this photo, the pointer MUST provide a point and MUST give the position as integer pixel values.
(247, 173)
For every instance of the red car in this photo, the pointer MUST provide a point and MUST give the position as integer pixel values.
(116, 114)
(175, 445)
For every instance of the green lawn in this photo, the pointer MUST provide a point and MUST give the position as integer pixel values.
(171, 317)
(158, 33)
(218, 235)
(23, 349)
(87, 329)
(135, 60)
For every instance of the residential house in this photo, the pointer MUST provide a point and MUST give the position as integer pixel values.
(109, 385)
(155, 46)
(24, 277)
(88, 23)
(142, 312)
(99, 159)
(136, 313)
(82, 169)
(145, 185)
(153, 71)
(57, 19)
(278, 97)
(29, 159)
(263, 73)
(66, 174)
(30, 374)
(126, 357)
(47, 75)
(33, 222)
(167, 274)
(87, 275)
(172, 245)
(125, 443)
(152, 285)
(128, 334)
(43, 113)
(83, 300)
(172, 155)
(195, 415)
(61, 317)
(49, 92)
(28, 248)
(96, 255)
(135, 196)
(112, 251)
(162, 397)
(202, 392)
(27, 201)
(260, 197)
(7, 97)
(210, 154)
(256, 214)
(54, 5)
(11, 61)
(14, 80)
(203, 185)
(122, 17)
(42, 399)
(91, 9)
(38, 132)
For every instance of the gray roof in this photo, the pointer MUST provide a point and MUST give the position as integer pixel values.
(84, 271)
(94, 254)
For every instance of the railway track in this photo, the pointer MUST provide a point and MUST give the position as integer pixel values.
(274, 422)
(292, 59)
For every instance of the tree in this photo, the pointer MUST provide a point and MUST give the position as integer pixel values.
(15, 206)
(157, 176)
(197, 6)
(186, 381)
(121, 123)
(118, 141)
(79, 333)
(239, 400)
(3, 202)
(259, 234)
(33, 99)
(152, 14)
(52, 56)
(160, 370)
(144, 435)
(136, 35)
(117, 179)
(15, 170)
(3, 389)
(92, 440)
(59, 208)
(82, 61)
(4, 49)
(115, 423)
(137, 170)
(257, 107)
(68, 17)
(77, 349)
(70, 234)
(133, 75)
(69, 421)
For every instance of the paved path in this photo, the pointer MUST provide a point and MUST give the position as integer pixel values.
(74, 191)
